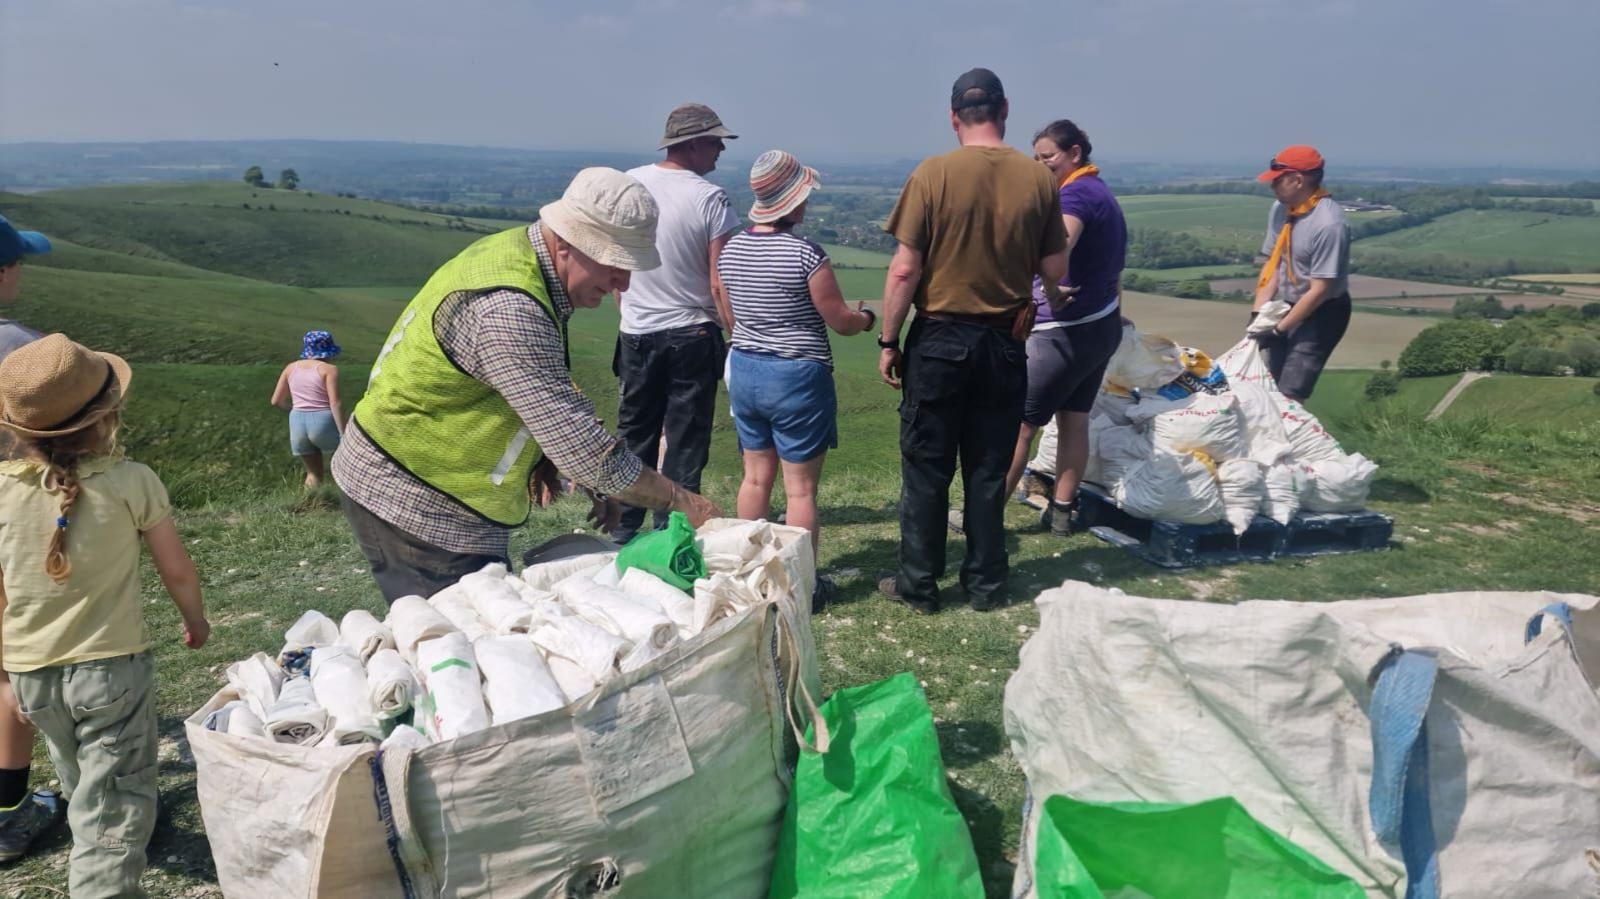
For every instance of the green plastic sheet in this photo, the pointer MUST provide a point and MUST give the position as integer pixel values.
(669, 554)
(873, 816)
(1136, 849)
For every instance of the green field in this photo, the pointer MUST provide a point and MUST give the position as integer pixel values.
(1232, 222)
(1532, 239)
(206, 352)
(855, 257)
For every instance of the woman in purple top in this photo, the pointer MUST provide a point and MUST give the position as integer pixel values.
(1071, 344)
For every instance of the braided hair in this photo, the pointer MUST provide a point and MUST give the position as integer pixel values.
(61, 456)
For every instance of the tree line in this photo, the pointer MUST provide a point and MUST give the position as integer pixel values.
(1552, 341)
(288, 179)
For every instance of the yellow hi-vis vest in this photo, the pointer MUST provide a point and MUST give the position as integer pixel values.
(445, 427)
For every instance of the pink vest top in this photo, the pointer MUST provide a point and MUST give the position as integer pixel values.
(307, 388)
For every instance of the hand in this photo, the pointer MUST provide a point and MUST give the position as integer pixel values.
(1264, 335)
(545, 483)
(9, 705)
(196, 633)
(605, 514)
(891, 367)
(1128, 322)
(696, 507)
(1064, 295)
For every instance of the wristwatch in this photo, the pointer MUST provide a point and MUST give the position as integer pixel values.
(889, 344)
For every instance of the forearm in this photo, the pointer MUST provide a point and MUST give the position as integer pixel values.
(338, 416)
(898, 289)
(653, 490)
(1265, 295)
(719, 295)
(1304, 307)
(183, 585)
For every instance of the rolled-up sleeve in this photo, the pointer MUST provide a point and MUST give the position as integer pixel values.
(508, 341)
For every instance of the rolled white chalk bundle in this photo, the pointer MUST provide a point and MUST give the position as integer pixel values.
(741, 541)
(607, 576)
(245, 723)
(678, 605)
(340, 685)
(614, 611)
(391, 685)
(498, 604)
(517, 682)
(296, 717)
(570, 676)
(312, 630)
(449, 670)
(364, 633)
(593, 649)
(545, 575)
(257, 680)
(452, 604)
(720, 596)
(412, 620)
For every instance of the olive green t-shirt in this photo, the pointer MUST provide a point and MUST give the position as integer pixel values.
(96, 613)
(982, 217)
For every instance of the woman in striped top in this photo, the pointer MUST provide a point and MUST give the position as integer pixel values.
(784, 297)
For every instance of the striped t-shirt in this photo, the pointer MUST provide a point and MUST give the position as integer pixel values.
(766, 275)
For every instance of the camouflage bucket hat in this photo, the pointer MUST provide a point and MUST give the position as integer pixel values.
(692, 120)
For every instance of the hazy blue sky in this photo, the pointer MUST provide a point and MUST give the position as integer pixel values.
(1514, 82)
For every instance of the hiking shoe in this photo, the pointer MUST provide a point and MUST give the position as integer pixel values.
(889, 586)
(956, 521)
(1060, 519)
(996, 600)
(37, 814)
(822, 593)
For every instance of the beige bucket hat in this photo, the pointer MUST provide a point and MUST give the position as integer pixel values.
(53, 387)
(609, 217)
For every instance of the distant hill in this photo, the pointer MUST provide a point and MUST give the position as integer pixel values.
(288, 237)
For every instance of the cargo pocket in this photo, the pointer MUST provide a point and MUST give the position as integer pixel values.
(128, 809)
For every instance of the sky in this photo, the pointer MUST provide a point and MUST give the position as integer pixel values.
(1370, 82)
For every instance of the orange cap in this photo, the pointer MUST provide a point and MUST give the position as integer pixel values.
(1298, 158)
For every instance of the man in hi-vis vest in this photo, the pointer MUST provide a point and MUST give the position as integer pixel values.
(471, 409)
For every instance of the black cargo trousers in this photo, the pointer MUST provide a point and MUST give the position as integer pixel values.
(667, 381)
(963, 390)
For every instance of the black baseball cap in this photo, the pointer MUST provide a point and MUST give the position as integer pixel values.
(983, 80)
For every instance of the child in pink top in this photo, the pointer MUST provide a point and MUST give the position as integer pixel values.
(309, 389)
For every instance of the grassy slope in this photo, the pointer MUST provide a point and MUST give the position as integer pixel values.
(266, 555)
(1232, 221)
(1533, 239)
(291, 247)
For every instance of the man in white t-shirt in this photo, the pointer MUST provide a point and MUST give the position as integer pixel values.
(670, 350)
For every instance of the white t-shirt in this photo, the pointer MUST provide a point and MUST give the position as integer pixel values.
(694, 212)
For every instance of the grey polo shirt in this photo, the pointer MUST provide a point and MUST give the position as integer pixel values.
(1319, 248)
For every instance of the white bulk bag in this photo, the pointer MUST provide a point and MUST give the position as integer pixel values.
(1281, 502)
(1113, 451)
(1265, 441)
(1335, 485)
(1243, 488)
(364, 634)
(1201, 423)
(1143, 361)
(1120, 698)
(1166, 487)
(1308, 440)
(1044, 460)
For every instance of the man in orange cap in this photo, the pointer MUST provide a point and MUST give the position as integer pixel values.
(1308, 266)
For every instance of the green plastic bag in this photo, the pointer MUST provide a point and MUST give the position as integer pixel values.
(873, 816)
(1212, 849)
(669, 554)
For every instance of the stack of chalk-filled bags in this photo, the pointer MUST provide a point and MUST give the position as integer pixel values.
(491, 648)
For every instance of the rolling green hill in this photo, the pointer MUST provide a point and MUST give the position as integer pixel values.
(1534, 240)
(313, 248)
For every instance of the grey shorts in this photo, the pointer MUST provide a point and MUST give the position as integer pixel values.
(1297, 359)
(1066, 366)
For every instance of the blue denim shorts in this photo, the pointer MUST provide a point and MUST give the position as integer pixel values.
(312, 432)
(783, 404)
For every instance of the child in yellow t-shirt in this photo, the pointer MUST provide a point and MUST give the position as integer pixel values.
(73, 644)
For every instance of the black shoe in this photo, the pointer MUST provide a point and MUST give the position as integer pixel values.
(996, 600)
(823, 593)
(37, 814)
(889, 586)
(1059, 518)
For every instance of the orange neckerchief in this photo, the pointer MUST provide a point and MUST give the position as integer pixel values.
(1079, 172)
(1280, 250)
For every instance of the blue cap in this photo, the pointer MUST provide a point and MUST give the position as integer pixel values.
(16, 244)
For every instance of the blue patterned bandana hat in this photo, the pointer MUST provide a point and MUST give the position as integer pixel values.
(319, 345)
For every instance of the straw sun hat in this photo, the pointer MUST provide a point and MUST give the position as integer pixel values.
(609, 217)
(53, 387)
(781, 184)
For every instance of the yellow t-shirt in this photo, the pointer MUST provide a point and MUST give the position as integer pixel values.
(96, 614)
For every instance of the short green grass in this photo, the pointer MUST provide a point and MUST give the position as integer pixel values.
(1529, 400)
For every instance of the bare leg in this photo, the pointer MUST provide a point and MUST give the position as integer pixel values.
(1072, 454)
(313, 463)
(16, 735)
(800, 484)
(755, 491)
(1019, 456)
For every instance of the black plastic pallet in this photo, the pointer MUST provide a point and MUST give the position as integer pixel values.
(1172, 545)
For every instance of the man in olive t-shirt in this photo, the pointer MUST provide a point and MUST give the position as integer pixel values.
(974, 226)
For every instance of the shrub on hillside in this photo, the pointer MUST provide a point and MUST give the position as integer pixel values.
(1196, 289)
(1449, 347)
(1537, 360)
(1382, 384)
(1590, 311)
(1584, 355)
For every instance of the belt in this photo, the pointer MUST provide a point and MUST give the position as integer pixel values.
(1000, 321)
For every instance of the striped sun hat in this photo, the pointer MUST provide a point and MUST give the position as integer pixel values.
(781, 183)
